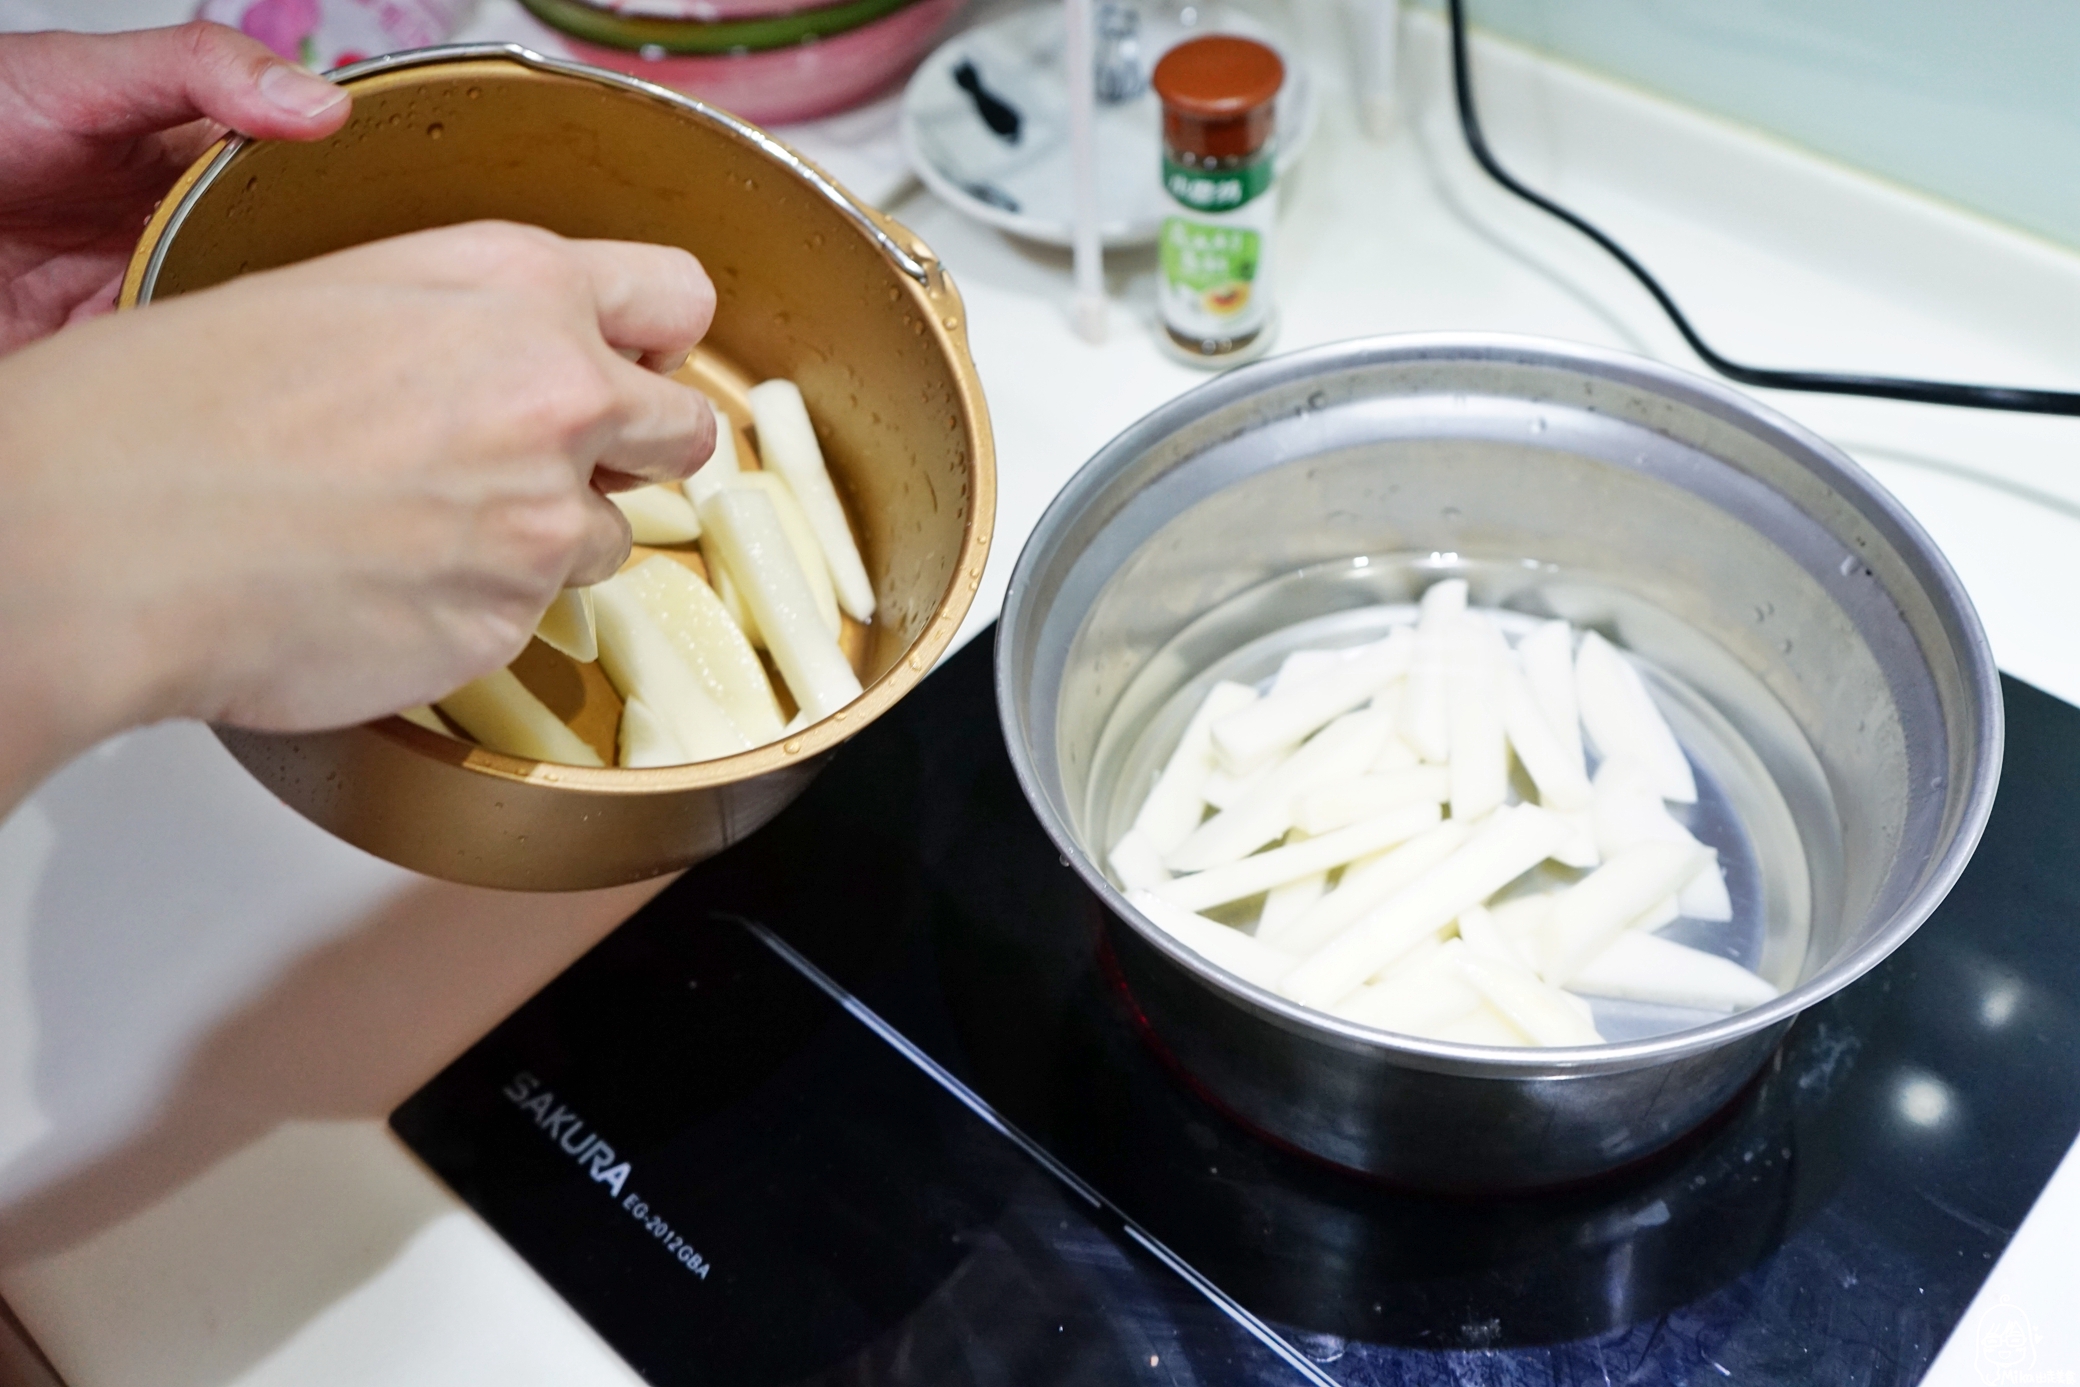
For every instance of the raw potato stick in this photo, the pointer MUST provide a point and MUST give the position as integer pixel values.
(1484, 1026)
(1647, 968)
(1343, 802)
(1175, 804)
(1225, 791)
(694, 619)
(1548, 659)
(644, 664)
(1280, 865)
(1484, 937)
(1602, 905)
(787, 444)
(1287, 903)
(1426, 725)
(722, 464)
(732, 595)
(801, 539)
(567, 625)
(1423, 993)
(1366, 884)
(1522, 921)
(1625, 812)
(1136, 864)
(658, 514)
(424, 716)
(1558, 774)
(1624, 723)
(1267, 813)
(644, 739)
(746, 530)
(1233, 950)
(1246, 740)
(1479, 753)
(499, 711)
(1704, 896)
(1541, 1012)
(1511, 843)
(1396, 755)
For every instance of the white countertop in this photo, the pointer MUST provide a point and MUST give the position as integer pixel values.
(207, 1006)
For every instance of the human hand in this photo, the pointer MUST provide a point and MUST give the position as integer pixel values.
(93, 131)
(319, 494)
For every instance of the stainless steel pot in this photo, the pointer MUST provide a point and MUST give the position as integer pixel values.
(1813, 621)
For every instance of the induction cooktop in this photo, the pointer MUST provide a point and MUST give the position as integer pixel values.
(862, 1101)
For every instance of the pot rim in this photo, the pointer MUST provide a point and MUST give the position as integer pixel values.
(1833, 466)
(935, 299)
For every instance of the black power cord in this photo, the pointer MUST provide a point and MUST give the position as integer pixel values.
(1822, 382)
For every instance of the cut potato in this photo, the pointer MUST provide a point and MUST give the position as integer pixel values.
(1603, 905)
(644, 740)
(567, 625)
(1365, 884)
(1246, 740)
(1347, 800)
(1547, 655)
(1426, 721)
(658, 514)
(1175, 804)
(1231, 949)
(1544, 1013)
(1624, 723)
(645, 664)
(692, 616)
(424, 716)
(1236, 880)
(730, 593)
(745, 528)
(1288, 902)
(499, 712)
(1136, 863)
(722, 464)
(787, 444)
(1479, 766)
(1266, 815)
(801, 539)
(1647, 968)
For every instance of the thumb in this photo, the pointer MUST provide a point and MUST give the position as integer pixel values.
(122, 86)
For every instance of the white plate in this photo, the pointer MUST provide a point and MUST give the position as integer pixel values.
(1023, 187)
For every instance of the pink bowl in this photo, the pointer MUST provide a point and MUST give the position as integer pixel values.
(797, 83)
(700, 11)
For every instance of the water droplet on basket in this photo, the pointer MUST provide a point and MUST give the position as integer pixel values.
(475, 92)
(1848, 565)
(1538, 425)
(1451, 512)
(436, 130)
(1787, 647)
(1318, 399)
(951, 322)
(791, 746)
(917, 662)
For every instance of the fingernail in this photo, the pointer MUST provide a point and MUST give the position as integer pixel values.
(297, 92)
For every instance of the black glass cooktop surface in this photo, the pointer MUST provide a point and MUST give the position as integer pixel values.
(861, 1102)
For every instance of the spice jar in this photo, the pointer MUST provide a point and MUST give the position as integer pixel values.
(1214, 278)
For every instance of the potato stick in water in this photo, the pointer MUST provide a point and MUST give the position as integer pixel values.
(1473, 717)
(1624, 812)
(1216, 943)
(722, 464)
(658, 514)
(1580, 848)
(1558, 775)
(424, 716)
(1225, 791)
(1175, 804)
(1509, 844)
(1647, 968)
(1547, 655)
(1280, 865)
(1704, 896)
(1365, 884)
(692, 616)
(1302, 665)
(1358, 797)
(1663, 912)
(1602, 905)
(1287, 903)
(1623, 721)
(1247, 739)
(1265, 815)
(499, 711)
(787, 444)
(643, 663)
(746, 530)
(732, 595)
(645, 740)
(1484, 937)
(1423, 992)
(1396, 755)
(567, 625)
(1483, 1026)
(1426, 723)
(1541, 1012)
(801, 539)
(1522, 921)
(1136, 864)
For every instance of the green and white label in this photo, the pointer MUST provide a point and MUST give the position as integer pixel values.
(1214, 250)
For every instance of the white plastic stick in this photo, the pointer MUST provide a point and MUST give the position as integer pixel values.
(1346, 801)
(1600, 907)
(1246, 958)
(1267, 812)
(499, 711)
(1284, 864)
(746, 532)
(1247, 739)
(1622, 720)
(1547, 655)
(1087, 248)
(1176, 803)
(1512, 842)
(1647, 968)
(1366, 884)
(787, 444)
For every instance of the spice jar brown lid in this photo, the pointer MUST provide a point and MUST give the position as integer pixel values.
(1217, 93)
